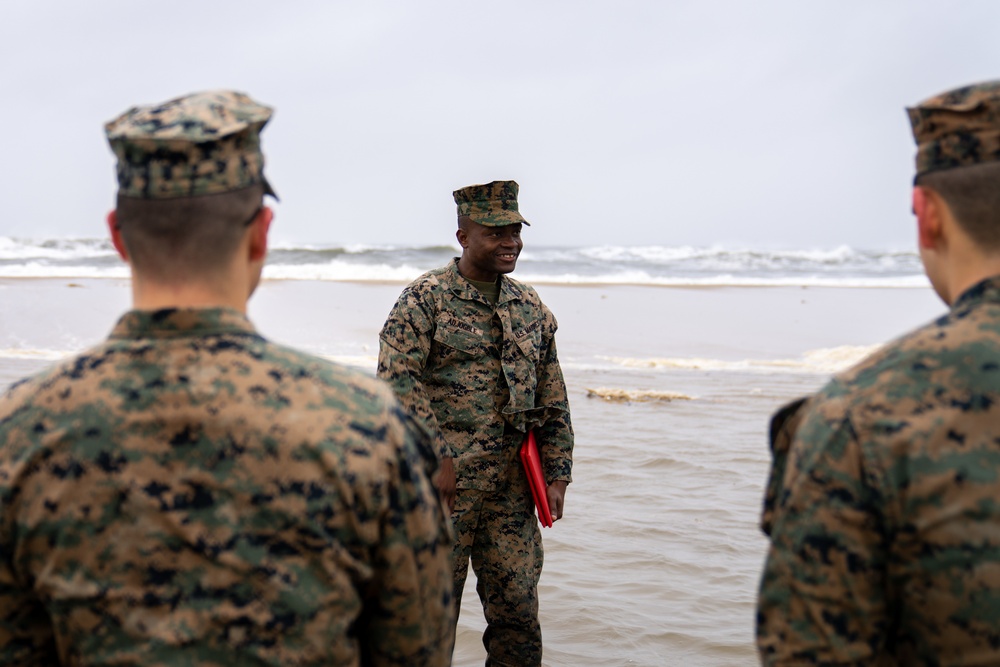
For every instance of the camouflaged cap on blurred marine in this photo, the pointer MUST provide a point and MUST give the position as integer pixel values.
(885, 525)
(189, 493)
(472, 354)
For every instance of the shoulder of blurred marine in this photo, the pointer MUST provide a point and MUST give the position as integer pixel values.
(926, 395)
(206, 356)
(954, 352)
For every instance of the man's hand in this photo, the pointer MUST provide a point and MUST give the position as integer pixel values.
(445, 482)
(556, 493)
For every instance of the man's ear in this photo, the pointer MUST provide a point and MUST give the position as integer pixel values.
(116, 235)
(927, 206)
(463, 237)
(259, 229)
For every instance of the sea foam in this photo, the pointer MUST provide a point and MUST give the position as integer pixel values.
(655, 265)
(823, 360)
(635, 395)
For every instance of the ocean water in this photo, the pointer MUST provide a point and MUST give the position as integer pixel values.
(639, 265)
(674, 359)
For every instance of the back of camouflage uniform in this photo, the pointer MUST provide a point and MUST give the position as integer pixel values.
(885, 519)
(189, 493)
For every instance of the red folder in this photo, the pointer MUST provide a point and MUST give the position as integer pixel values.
(536, 480)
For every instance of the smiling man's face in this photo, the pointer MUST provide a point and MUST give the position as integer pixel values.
(488, 252)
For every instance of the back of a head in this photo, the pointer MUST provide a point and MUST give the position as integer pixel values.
(958, 156)
(973, 195)
(190, 175)
(187, 239)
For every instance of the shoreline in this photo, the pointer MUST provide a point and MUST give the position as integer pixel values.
(647, 328)
(73, 281)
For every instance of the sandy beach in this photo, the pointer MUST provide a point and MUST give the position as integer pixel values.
(657, 560)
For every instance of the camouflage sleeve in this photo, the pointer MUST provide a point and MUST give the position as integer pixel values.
(26, 633)
(555, 436)
(411, 622)
(784, 423)
(404, 347)
(822, 596)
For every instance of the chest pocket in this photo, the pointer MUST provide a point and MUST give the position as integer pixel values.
(530, 345)
(452, 340)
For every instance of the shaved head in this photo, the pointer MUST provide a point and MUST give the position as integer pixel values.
(973, 195)
(179, 240)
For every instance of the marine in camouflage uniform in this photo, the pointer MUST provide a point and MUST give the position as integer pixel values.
(472, 354)
(189, 493)
(885, 523)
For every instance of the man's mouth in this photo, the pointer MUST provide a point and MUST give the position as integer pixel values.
(507, 255)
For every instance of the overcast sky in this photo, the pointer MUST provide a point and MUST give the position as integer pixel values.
(768, 123)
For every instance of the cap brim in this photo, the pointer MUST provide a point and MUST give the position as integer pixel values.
(498, 218)
(268, 190)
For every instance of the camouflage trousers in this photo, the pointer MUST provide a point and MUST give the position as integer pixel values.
(498, 532)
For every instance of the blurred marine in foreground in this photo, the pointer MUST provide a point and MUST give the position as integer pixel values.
(885, 524)
(188, 492)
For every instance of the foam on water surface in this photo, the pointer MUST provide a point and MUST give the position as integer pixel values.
(666, 266)
(826, 360)
(613, 395)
